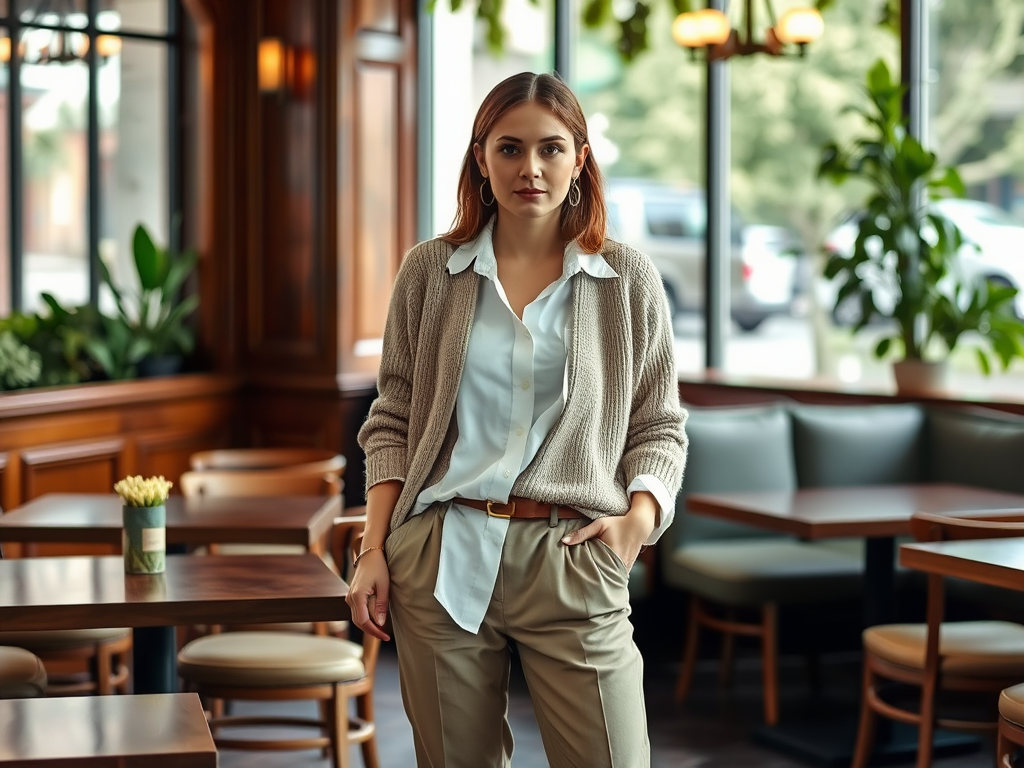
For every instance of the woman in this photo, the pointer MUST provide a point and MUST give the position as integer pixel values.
(525, 443)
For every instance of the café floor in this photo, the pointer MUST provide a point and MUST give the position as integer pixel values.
(710, 729)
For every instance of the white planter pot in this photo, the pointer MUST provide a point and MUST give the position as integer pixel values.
(921, 377)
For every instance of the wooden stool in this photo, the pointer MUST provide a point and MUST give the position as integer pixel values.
(22, 675)
(1011, 725)
(161, 730)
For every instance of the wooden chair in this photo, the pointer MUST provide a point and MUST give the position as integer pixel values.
(940, 657)
(22, 674)
(305, 460)
(277, 482)
(104, 651)
(1010, 737)
(252, 482)
(288, 666)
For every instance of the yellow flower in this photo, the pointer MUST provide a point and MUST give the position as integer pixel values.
(137, 491)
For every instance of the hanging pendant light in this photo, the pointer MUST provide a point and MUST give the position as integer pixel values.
(709, 30)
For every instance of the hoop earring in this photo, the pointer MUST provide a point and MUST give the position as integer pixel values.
(486, 202)
(575, 187)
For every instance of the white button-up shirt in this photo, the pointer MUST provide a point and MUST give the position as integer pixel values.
(512, 391)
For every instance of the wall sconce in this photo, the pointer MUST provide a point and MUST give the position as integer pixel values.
(272, 65)
(711, 30)
(285, 69)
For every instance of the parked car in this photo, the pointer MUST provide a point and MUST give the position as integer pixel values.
(993, 248)
(669, 225)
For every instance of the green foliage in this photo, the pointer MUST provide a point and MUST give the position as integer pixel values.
(19, 365)
(59, 339)
(908, 245)
(152, 320)
(633, 30)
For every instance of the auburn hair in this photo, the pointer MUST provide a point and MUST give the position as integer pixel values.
(585, 222)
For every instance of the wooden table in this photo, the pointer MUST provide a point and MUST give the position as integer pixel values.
(85, 592)
(149, 731)
(878, 514)
(93, 518)
(875, 513)
(996, 562)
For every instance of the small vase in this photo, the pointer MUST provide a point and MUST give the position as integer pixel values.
(144, 540)
(921, 377)
(158, 365)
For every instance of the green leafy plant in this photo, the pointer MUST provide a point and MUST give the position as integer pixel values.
(19, 365)
(59, 337)
(908, 246)
(154, 317)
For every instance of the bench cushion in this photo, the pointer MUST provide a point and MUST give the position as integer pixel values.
(61, 639)
(976, 446)
(747, 448)
(753, 571)
(857, 444)
(268, 659)
(22, 675)
(975, 648)
(1011, 704)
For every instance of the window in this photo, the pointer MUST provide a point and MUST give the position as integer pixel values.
(93, 96)
(463, 71)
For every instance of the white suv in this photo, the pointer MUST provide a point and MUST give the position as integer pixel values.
(668, 224)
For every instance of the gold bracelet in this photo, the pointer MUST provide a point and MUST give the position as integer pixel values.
(355, 560)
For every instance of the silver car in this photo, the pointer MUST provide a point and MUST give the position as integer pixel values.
(669, 224)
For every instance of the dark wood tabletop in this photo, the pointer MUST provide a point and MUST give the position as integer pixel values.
(998, 562)
(86, 592)
(868, 511)
(143, 731)
(96, 519)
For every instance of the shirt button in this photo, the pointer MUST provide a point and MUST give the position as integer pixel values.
(508, 472)
(526, 385)
(519, 432)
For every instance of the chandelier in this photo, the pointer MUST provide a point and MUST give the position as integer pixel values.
(710, 30)
(52, 38)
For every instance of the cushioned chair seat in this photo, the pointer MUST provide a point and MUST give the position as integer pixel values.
(1011, 704)
(61, 639)
(754, 571)
(22, 675)
(974, 648)
(270, 659)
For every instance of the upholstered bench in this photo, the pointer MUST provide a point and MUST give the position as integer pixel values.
(786, 445)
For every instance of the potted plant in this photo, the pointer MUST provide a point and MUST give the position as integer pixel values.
(149, 333)
(904, 266)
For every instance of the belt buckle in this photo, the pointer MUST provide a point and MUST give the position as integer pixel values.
(492, 513)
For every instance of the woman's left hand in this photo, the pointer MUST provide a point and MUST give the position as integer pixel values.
(625, 534)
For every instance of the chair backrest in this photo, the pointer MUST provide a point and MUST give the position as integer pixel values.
(1004, 524)
(346, 540)
(312, 461)
(283, 482)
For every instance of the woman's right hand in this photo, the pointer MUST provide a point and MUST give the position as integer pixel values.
(368, 594)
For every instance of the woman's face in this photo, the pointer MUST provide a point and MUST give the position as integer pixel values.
(530, 158)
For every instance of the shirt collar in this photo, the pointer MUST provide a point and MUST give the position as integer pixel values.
(481, 250)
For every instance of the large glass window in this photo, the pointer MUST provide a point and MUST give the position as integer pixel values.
(464, 70)
(975, 109)
(93, 99)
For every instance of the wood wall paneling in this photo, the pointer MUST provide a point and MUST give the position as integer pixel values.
(382, 15)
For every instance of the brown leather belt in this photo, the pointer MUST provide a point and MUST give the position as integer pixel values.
(520, 508)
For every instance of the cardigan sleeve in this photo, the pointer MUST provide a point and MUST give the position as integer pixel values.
(655, 440)
(384, 435)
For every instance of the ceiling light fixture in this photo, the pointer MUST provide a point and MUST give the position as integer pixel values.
(710, 30)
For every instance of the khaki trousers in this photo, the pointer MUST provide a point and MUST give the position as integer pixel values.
(566, 608)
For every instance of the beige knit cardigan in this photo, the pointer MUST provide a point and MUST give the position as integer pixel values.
(621, 418)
